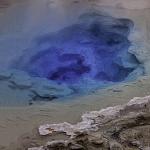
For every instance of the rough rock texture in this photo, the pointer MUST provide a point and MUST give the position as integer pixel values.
(115, 128)
(18, 87)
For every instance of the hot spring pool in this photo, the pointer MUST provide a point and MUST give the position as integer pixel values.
(94, 49)
(91, 54)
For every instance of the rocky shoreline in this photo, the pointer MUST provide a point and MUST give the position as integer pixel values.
(115, 128)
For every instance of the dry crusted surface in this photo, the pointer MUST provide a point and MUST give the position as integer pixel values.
(124, 127)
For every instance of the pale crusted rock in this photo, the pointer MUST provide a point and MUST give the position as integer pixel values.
(137, 101)
(63, 127)
(114, 128)
(91, 120)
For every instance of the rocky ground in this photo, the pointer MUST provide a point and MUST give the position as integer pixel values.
(123, 127)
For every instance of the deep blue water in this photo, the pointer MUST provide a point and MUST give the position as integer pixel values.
(94, 48)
